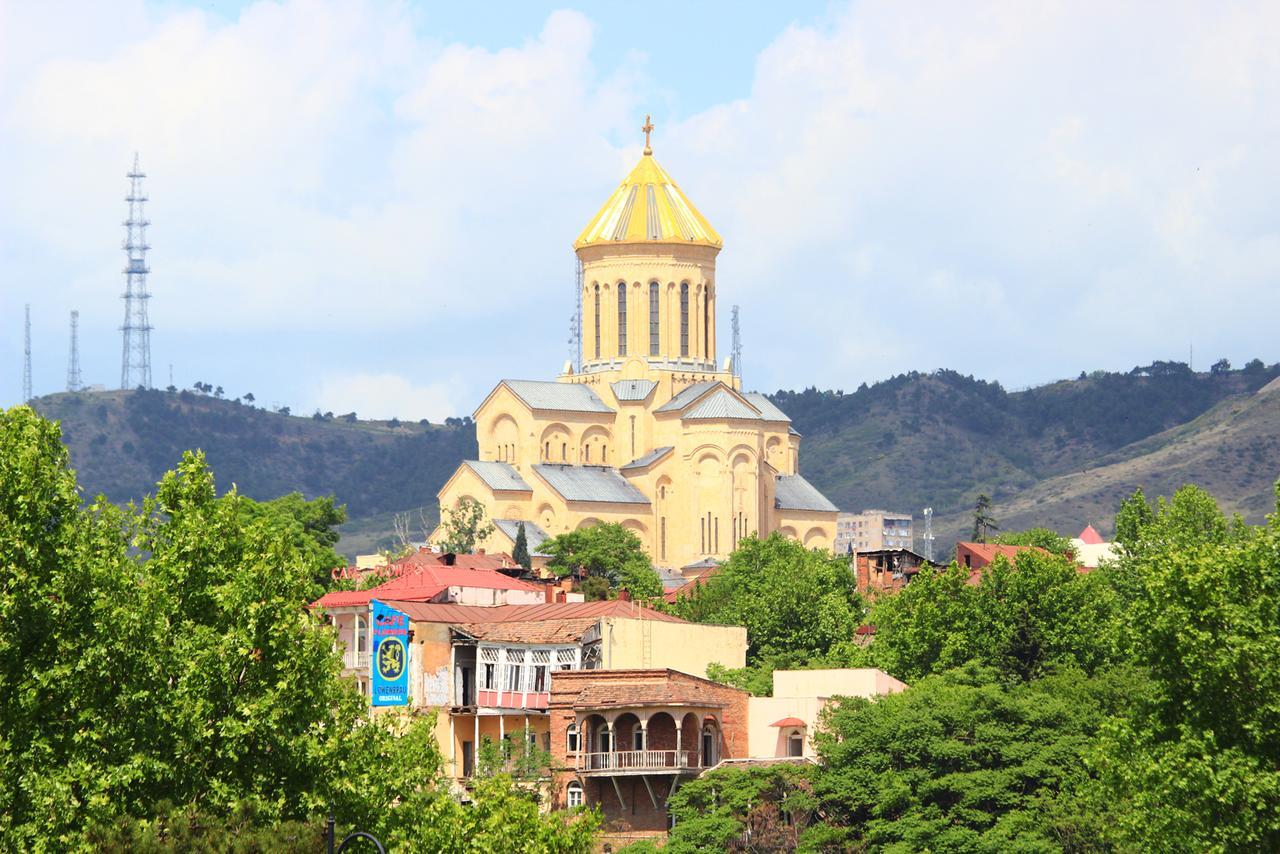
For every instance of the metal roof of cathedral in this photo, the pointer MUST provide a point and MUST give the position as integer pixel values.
(648, 207)
(498, 475)
(795, 493)
(723, 404)
(590, 483)
(632, 389)
(534, 536)
(648, 459)
(767, 410)
(565, 397)
(687, 396)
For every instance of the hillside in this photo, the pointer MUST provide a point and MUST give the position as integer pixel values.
(121, 442)
(1060, 455)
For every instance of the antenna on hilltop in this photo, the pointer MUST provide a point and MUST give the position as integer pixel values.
(135, 359)
(927, 538)
(575, 322)
(736, 352)
(73, 361)
(26, 357)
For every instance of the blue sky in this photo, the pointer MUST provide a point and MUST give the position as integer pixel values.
(369, 205)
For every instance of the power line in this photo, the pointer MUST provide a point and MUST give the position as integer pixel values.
(135, 358)
(73, 361)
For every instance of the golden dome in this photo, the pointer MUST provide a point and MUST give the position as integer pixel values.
(648, 208)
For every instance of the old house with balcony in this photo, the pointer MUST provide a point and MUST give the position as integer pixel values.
(625, 740)
(887, 570)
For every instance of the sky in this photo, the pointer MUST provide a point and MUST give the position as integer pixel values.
(369, 206)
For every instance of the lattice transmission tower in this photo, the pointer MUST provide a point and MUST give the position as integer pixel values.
(73, 360)
(26, 357)
(135, 358)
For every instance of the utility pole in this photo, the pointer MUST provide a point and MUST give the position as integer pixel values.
(26, 357)
(73, 361)
(135, 359)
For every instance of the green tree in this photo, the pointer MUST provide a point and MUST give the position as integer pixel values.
(964, 762)
(983, 520)
(310, 524)
(607, 553)
(464, 526)
(1045, 538)
(772, 806)
(799, 606)
(1197, 767)
(520, 552)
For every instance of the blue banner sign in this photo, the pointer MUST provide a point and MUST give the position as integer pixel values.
(390, 664)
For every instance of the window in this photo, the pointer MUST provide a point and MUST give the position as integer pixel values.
(622, 318)
(489, 668)
(717, 548)
(795, 744)
(586, 450)
(709, 751)
(541, 670)
(571, 739)
(514, 670)
(564, 452)
(597, 321)
(633, 437)
(663, 544)
(703, 524)
(653, 319)
(362, 635)
(573, 795)
(684, 318)
(637, 739)
(546, 452)
(706, 324)
(604, 739)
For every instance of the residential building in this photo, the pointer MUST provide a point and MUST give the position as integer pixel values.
(1091, 549)
(887, 570)
(783, 725)
(648, 430)
(872, 530)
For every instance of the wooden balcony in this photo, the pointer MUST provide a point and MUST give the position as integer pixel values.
(639, 762)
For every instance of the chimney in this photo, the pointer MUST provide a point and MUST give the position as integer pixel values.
(479, 551)
(561, 596)
(450, 559)
(548, 593)
(624, 595)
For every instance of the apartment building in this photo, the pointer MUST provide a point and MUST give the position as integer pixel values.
(872, 530)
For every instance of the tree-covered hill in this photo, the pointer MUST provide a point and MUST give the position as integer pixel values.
(940, 439)
(1059, 455)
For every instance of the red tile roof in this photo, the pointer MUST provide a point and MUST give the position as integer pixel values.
(437, 612)
(651, 688)
(1089, 536)
(788, 722)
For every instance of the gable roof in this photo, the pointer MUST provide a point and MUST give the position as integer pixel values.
(1090, 536)
(424, 582)
(632, 389)
(648, 459)
(768, 411)
(795, 493)
(687, 396)
(590, 483)
(564, 397)
(533, 534)
(722, 403)
(502, 476)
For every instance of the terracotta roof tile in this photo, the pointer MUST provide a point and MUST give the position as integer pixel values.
(434, 612)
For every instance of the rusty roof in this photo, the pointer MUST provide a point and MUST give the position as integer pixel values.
(531, 631)
(650, 688)
(433, 612)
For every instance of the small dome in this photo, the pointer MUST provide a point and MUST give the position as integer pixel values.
(648, 208)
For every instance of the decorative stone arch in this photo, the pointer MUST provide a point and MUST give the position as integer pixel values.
(501, 438)
(691, 736)
(593, 448)
(589, 522)
(555, 443)
(546, 516)
(512, 511)
(815, 538)
(637, 527)
(775, 452)
(628, 727)
(788, 531)
(660, 731)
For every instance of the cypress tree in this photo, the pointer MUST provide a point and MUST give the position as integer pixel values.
(521, 550)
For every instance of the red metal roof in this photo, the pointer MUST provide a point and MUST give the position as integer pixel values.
(1089, 536)
(424, 581)
(789, 722)
(438, 612)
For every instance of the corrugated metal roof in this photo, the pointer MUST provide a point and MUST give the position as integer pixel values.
(722, 404)
(767, 410)
(534, 535)
(687, 396)
(795, 493)
(590, 483)
(565, 397)
(498, 475)
(433, 612)
(632, 389)
(648, 459)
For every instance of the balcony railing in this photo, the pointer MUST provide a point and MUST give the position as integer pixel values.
(637, 760)
(355, 660)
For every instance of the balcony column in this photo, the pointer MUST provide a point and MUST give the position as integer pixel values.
(679, 743)
(644, 733)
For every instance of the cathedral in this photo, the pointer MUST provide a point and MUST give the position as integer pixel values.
(651, 432)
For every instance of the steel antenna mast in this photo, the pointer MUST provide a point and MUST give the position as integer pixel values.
(73, 361)
(135, 358)
(26, 357)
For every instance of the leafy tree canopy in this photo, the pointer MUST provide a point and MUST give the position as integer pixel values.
(609, 556)
(1045, 538)
(464, 526)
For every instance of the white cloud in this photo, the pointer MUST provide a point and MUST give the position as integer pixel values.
(385, 395)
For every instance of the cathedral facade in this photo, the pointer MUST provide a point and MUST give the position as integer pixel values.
(651, 432)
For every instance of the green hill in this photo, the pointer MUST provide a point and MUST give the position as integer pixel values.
(1060, 455)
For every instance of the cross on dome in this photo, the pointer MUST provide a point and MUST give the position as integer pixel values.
(648, 129)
